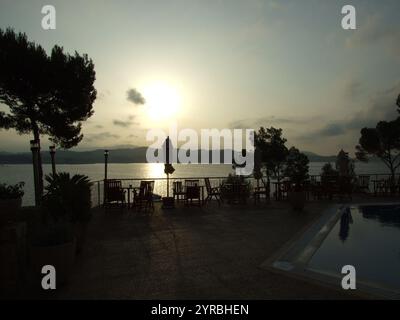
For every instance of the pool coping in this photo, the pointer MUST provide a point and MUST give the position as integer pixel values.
(293, 258)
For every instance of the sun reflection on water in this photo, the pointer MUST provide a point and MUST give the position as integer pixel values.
(154, 170)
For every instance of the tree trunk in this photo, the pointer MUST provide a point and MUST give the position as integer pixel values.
(40, 169)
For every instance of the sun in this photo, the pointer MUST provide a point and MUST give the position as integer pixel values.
(163, 101)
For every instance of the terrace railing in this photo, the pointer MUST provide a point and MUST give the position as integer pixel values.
(160, 187)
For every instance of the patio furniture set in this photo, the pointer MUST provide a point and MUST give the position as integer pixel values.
(189, 191)
(192, 192)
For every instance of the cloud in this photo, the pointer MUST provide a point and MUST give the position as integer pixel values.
(135, 96)
(103, 94)
(127, 123)
(121, 123)
(376, 30)
(100, 136)
(352, 88)
(331, 130)
(381, 106)
(267, 121)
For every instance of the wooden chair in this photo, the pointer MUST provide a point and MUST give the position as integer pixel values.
(261, 191)
(363, 183)
(284, 188)
(192, 189)
(212, 191)
(329, 186)
(143, 198)
(178, 190)
(113, 193)
(382, 187)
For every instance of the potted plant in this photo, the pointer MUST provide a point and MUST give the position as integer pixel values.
(52, 243)
(10, 201)
(61, 229)
(72, 197)
(168, 202)
(296, 169)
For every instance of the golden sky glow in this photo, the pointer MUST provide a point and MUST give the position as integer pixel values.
(226, 64)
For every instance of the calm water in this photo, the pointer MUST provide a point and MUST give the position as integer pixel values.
(24, 172)
(368, 238)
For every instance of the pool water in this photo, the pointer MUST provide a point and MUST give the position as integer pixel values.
(367, 237)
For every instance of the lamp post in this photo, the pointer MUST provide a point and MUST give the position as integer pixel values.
(35, 161)
(53, 163)
(105, 175)
(105, 163)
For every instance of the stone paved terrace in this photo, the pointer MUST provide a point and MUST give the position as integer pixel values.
(192, 253)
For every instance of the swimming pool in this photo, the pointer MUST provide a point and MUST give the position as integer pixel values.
(366, 236)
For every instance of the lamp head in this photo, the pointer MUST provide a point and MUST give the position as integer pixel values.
(34, 144)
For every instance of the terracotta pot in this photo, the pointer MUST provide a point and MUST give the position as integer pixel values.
(297, 199)
(80, 230)
(61, 256)
(9, 209)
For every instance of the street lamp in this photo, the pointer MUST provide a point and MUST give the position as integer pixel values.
(53, 163)
(105, 163)
(35, 161)
(105, 176)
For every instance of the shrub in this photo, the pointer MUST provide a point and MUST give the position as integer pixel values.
(296, 167)
(68, 197)
(11, 191)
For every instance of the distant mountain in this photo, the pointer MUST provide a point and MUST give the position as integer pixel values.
(120, 155)
(313, 157)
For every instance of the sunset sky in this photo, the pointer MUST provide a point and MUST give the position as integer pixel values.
(226, 64)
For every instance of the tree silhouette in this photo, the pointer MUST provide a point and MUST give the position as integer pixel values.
(344, 164)
(46, 94)
(382, 142)
(271, 144)
(296, 167)
(328, 171)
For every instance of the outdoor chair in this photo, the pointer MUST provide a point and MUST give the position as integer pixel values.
(178, 190)
(382, 187)
(284, 188)
(363, 183)
(329, 186)
(237, 193)
(261, 191)
(212, 191)
(113, 193)
(193, 194)
(143, 198)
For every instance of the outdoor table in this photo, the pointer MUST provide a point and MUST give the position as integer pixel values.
(374, 183)
(383, 185)
(201, 192)
(278, 190)
(128, 190)
(235, 191)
